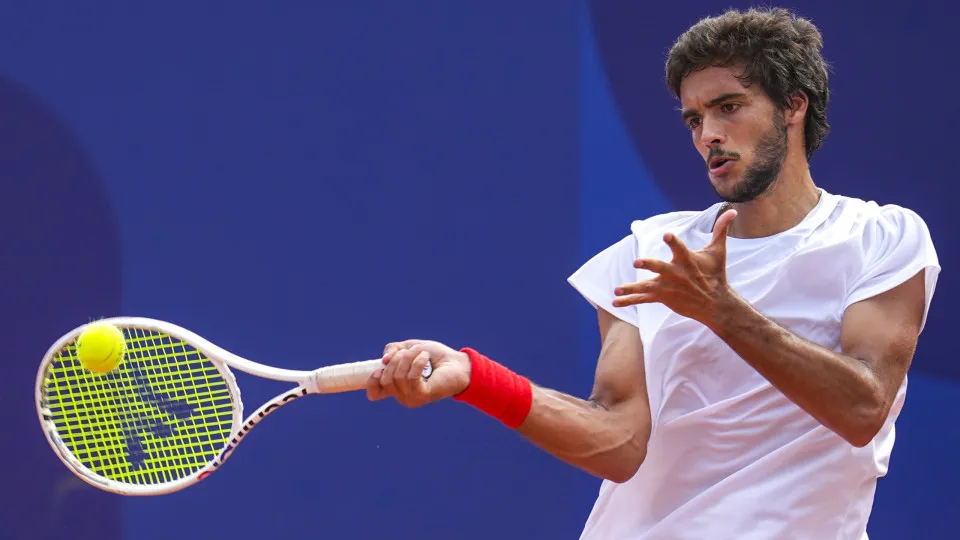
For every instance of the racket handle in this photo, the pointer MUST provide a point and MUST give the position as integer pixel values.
(349, 377)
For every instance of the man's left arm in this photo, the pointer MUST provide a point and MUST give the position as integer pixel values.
(851, 391)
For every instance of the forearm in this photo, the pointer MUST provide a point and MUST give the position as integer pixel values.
(605, 436)
(585, 434)
(840, 391)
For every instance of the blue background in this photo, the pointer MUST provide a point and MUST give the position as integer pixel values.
(306, 181)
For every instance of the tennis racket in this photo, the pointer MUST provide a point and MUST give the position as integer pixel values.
(170, 414)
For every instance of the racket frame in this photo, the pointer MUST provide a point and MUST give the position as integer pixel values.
(325, 380)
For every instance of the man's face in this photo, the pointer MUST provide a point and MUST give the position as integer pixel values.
(739, 133)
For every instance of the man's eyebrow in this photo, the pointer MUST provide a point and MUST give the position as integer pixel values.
(714, 102)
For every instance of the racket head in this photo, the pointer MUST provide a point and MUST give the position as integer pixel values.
(153, 425)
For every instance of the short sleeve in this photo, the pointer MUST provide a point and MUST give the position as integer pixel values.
(896, 245)
(598, 277)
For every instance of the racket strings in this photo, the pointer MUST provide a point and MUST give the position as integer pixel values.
(163, 414)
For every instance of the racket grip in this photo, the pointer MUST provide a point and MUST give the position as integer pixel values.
(349, 377)
(343, 377)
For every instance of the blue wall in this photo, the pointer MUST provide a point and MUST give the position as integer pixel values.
(304, 183)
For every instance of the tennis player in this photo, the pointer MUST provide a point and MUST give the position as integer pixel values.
(754, 354)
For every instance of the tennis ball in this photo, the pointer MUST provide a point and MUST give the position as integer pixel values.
(101, 347)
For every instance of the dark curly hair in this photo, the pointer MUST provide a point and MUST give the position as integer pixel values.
(778, 49)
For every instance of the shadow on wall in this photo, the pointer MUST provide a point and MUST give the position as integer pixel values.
(59, 267)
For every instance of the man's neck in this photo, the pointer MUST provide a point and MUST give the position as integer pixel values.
(791, 197)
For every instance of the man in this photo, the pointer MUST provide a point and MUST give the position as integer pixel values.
(754, 355)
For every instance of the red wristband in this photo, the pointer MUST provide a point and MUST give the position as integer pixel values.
(496, 390)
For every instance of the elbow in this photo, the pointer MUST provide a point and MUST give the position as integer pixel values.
(622, 475)
(860, 438)
(868, 422)
(619, 447)
(626, 464)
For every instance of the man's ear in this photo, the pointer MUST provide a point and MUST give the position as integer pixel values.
(797, 104)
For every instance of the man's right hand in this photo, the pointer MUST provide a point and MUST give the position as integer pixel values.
(402, 378)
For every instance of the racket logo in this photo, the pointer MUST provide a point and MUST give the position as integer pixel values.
(135, 422)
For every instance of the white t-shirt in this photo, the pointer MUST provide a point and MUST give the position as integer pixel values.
(730, 457)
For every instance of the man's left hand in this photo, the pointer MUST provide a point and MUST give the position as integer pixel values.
(693, 284)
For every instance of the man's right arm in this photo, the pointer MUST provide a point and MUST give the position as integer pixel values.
(605, 435)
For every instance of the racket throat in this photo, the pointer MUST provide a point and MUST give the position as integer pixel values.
(255, 418)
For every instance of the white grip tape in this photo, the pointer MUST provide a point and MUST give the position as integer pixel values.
(344, 377)
(349, 377)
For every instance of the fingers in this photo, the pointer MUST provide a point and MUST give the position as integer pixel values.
(640, 292)
(408, 365)
(376, 389)
(401, 377)
(681, 253)
(409, 381)
(640, 287)
(722, 226)
(633, 299)
(392, 348)
(375, 392)
(397, 366)
(418, 366)
(389, 351)
(655, 265)
(650, 291)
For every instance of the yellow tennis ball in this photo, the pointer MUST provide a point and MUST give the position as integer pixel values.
(101, 347)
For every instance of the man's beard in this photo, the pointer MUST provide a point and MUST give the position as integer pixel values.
(768, 162)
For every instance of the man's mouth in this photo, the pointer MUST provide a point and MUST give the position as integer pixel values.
(720, 165)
